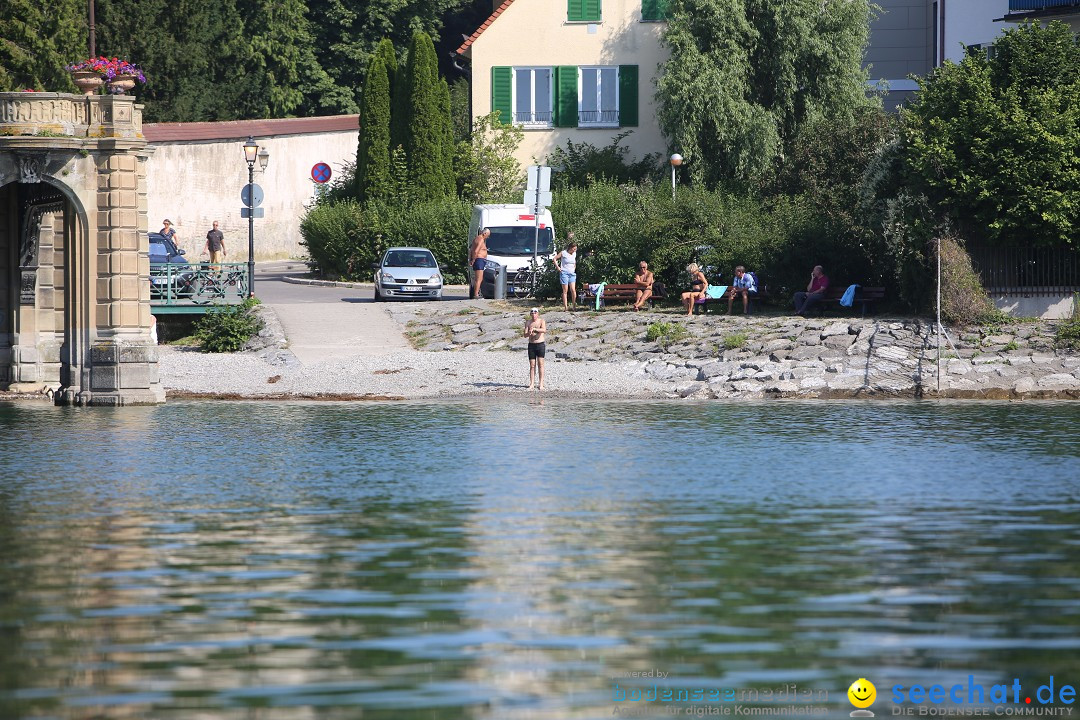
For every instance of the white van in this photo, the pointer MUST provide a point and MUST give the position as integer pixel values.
(513, 233)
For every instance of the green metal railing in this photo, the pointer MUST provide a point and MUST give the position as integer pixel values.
(193, 286)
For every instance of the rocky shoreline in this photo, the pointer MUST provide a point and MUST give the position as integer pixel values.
(717, 356)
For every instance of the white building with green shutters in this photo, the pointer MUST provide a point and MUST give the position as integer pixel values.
(579, 70)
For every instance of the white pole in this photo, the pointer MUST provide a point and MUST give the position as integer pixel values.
(939, 328)
(672, 182)
(536, 215)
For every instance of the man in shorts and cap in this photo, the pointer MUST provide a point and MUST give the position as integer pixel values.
(535, 329)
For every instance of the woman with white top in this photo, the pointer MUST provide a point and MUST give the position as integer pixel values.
(566, 263)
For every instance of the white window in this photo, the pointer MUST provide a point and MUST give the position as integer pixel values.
(532, 96)
(598, 97)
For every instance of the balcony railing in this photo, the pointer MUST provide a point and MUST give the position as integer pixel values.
(598, 117)
(534, 119)
(1022, 5)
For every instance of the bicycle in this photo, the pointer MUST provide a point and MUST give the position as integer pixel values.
(525, 280)
(215, 286)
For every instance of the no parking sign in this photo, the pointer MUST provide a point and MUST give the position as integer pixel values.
(320, 172)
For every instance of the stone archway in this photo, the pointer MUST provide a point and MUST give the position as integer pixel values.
(74, 264)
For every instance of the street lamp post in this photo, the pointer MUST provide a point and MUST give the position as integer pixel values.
(251, 154)
(676, 161)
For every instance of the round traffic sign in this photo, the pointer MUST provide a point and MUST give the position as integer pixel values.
(320, 172)
(251, 195)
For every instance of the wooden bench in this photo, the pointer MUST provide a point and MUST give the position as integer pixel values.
(864, 296)
(754, 300)
(617, 293)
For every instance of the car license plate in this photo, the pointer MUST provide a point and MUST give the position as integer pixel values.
(411, 288)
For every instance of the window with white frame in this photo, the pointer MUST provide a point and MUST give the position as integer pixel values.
(598, 97)
(532, 96)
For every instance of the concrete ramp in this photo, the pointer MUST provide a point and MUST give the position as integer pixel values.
(330, 331)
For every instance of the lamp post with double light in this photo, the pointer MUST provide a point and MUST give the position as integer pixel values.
(251, 154)
(676, 161)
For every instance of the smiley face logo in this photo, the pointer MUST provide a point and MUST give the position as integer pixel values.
(862, 693)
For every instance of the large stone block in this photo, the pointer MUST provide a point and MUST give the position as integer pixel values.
(135, 375)
(103, 314)
(104, 353)
(132, 353)
(104, 378)
(130, 287)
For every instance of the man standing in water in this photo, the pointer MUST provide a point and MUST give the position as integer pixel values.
(478, 253)
(535, 329)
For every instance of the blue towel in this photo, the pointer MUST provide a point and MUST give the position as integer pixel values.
(716, 292)
(599, 294)
(849, 296)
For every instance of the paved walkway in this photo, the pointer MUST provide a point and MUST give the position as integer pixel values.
(329, 322)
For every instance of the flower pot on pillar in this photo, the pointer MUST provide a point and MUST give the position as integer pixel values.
(121, 84)
(87, 81)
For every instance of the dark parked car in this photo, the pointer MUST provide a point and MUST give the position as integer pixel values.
(168, 266)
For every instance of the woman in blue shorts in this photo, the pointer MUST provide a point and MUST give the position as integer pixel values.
(566, 262)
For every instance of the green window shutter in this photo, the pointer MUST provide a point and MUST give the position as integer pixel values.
(566, 102)
(502, 80)
(628, 95)
(583, 10)
(654, 10)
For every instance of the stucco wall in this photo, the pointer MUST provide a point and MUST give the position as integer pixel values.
(194, 183)
(970, 22)
(535, 32)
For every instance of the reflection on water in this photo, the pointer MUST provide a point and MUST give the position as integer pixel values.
(480, 559)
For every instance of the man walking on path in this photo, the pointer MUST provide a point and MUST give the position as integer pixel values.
(535, 329)
(215, 246)
(478, 253)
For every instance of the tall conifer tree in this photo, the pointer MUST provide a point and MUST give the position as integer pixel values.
(373, 153)
(427, 122)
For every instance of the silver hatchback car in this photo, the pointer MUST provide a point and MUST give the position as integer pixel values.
(408, 272)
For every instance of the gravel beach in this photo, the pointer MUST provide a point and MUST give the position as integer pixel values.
(478, 350)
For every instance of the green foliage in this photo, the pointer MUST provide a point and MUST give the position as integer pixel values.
(664, 333)
(228, 328)
(348, 32)
(373, 153)
(37, 40)
(583, 164)
(993, 143)
(487, 171)
(735, 341)
(344, 238)
(283, 75)
(428, 122)
(460, 112)
(743, 76)
(1067, 334)
(963, 299)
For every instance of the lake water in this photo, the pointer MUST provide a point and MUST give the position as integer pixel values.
(507, 559)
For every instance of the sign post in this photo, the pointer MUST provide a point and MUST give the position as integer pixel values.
(538, 195)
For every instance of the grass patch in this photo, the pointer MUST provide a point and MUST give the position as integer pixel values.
(1011, 345)
(417, 338)
(735, 341)
(1068, 332)
(186, 341)
(664, 333)
(228, 329)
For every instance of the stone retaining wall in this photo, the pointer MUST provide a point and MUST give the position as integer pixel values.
(734, 357)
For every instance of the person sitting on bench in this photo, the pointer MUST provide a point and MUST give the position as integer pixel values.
(644, 280)
(815, 291)
(698, 283)
(743, 284)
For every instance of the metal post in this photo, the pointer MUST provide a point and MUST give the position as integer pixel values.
(939, 328)
(90, 17)
(673, 182)
(536, 216)
(251, 229)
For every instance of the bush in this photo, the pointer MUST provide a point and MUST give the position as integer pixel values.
(343, 239)
(963, 299)
(229, 328)
(583, 164)
(1068, 332)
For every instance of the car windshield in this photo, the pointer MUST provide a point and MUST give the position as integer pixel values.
(409, 259)
(518, 241)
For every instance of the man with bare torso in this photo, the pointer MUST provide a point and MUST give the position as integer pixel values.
(478, 253)
(536, 330)
(644, 281)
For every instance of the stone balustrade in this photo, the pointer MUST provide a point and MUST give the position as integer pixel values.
(59, 115)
